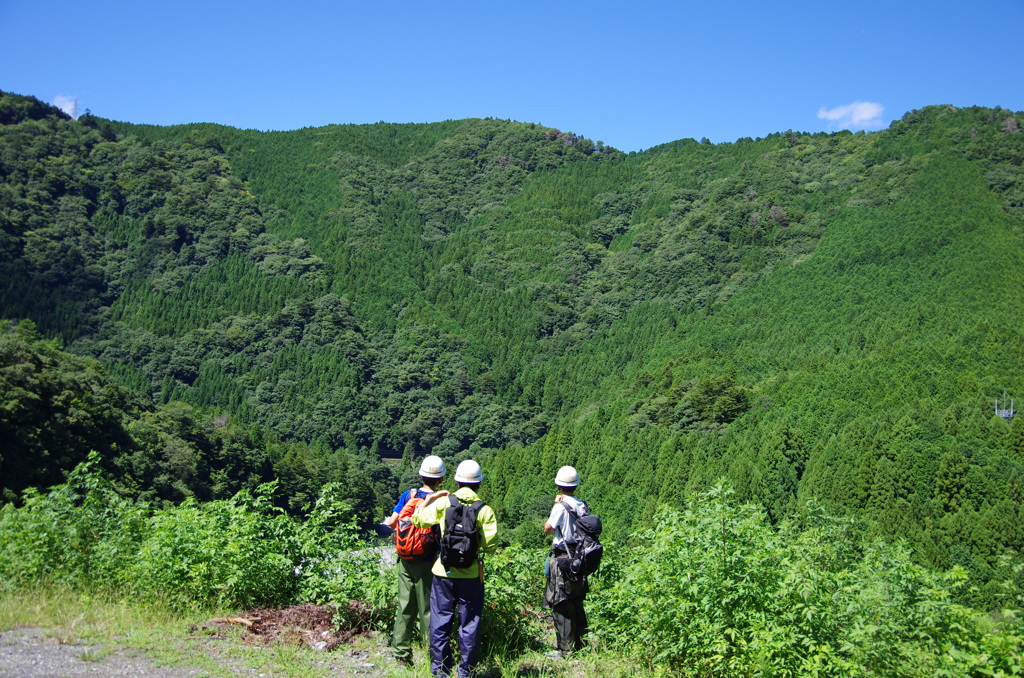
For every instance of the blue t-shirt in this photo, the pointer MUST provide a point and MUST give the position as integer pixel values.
(402, 500)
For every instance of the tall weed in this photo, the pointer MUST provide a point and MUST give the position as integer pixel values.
(337, 565)
(237, 552)
(514, 580)
(231, 552)
(80, 532)
(720, 591)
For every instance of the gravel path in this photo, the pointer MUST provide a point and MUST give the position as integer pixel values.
(35, 653)
(261, 643)
(32, 652)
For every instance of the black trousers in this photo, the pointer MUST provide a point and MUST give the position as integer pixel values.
(570, 617)
(570, 624)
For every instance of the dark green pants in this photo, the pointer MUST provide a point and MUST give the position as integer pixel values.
(565, 598)
(414, 581)
(570, 625)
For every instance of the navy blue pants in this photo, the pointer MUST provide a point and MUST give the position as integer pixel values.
(445, 595)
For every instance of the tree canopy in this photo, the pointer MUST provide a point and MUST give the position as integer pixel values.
(825, 316)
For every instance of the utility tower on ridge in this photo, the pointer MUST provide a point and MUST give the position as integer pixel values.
(1005, 413)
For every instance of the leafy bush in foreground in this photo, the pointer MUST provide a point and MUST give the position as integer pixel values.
(713, 589)
(722, 592)
(514, 580)
(238, 552)
(241, 552)
(225, 552)
(81, 532)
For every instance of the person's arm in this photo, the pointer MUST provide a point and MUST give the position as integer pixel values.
(435, 495)
(488, 530)
(430, 512)
(549, 524)
(393, 518)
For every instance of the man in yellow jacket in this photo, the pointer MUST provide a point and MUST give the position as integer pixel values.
(458, 586)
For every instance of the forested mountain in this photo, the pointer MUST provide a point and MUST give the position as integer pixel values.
(826, 316)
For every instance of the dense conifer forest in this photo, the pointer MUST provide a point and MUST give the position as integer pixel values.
(824, 318)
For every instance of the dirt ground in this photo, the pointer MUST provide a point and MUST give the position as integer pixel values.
(314, 626)
(41, 653)
(259, 643)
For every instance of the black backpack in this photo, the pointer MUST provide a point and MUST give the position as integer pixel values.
(459, 541)
(584, 547)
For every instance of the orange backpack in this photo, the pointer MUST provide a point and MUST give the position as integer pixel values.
(411, 542)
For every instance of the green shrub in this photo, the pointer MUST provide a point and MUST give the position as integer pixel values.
(238, 552)
(514, 581)
(81, 533)
(715, 589)
(229, 552)
(246, 552)
(337, 565)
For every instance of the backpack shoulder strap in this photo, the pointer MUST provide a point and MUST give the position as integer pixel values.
(468, 510)
(409, 507)
(474, 508)
(449, 513)
(575, 512)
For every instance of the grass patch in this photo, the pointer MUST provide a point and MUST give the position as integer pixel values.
(95, 654)
(73, 617)
(168, 638)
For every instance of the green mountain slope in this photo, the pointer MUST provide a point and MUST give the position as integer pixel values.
(827, 316)
(861, 375)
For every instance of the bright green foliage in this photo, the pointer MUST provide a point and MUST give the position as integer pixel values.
(714, 589)
(514, 583)
(240, 552)
(79, 533)
(824, 316)
(711, 589)
(335, 563)
(226, 552)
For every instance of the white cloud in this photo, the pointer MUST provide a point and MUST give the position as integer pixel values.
(66, 104)
(858, 115)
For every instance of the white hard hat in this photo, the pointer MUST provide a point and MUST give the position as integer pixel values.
(468, 472)
(567, 477)
(432, 467)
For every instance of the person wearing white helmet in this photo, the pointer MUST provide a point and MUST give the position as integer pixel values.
(567, 601)
(414, 569)
(461, 587)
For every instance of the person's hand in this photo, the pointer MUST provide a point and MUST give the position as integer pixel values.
(437, 495)
(559, 497)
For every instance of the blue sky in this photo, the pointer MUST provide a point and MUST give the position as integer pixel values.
(631, 74)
